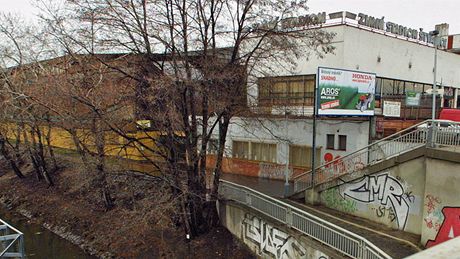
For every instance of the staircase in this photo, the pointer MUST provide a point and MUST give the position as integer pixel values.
(11, 241)
(429, 133)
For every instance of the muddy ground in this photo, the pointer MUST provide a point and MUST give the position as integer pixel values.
(139, 226)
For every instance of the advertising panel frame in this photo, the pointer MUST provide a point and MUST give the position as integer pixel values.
(342, 112)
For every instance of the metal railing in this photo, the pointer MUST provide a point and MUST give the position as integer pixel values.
(325, 232)
(425, 133)
(11, 241)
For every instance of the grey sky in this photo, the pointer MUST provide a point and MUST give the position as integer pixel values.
(411, 13)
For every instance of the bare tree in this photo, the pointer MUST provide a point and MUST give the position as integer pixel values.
(20, 49)
(191, 62)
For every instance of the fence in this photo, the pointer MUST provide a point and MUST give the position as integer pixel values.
(325, 232)
(425, 133)
(11, 241)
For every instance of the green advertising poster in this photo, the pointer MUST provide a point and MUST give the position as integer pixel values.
(412, 99)
(345, 92)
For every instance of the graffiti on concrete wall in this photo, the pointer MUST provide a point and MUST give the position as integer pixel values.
(434, 217)
(273, 171)
(332, 199)
(385, 212)
(450, 226)
(270, 240)
(382, 189)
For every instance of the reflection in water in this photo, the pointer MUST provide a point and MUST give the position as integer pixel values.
(42, 243)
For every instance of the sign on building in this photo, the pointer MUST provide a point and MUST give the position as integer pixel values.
(345, 93)
(391, 109)
(412, 99)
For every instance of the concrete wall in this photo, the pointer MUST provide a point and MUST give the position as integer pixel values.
(363, 47)
(441, 208)
(448, 249)
(420, 196)
(393, 197)
(266, 238)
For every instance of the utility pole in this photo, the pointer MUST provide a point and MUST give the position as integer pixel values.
(431, 132)
(434, 34)
(286, 171)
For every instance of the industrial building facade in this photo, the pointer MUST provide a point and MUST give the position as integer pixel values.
(403, 62)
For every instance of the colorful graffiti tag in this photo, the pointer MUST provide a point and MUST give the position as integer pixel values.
(450, 227)
(332, 199)
(270, 240)
(383, 189)
(434, 218)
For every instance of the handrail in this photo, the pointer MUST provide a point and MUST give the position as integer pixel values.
(334, 236)
(424, 133)
(366, 147)
(11, 238)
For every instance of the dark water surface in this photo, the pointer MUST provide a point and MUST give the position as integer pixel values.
(42, 243)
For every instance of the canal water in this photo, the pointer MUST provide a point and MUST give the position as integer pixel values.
(42, 243)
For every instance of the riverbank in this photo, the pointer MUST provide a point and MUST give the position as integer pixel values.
(139, 226)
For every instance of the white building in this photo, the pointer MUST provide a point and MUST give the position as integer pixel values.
(401, 58)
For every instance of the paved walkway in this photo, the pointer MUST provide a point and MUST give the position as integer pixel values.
(389, 240)
(274, 188)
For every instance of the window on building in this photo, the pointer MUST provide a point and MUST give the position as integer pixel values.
(330, 141)
(342, 142)
(254, 151)
(387, 87)
(398, 87)
(418, 88)
(290, 90)
(378, 92)
(300, 156)
(263, 152)
(378, 86)
(409, 87)
(240, 149)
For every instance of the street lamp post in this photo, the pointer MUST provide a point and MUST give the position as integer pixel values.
(434, 34)
(431, 131)
(286, 170)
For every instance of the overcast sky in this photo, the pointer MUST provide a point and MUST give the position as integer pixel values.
(411, 13)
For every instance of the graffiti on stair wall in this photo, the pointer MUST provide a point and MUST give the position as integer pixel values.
(384, 190)
(273, 171)
(434, 217)
(271, 240)
(450, 226)
(383, 211)
(332, 199)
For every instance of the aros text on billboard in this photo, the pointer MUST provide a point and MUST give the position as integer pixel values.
(345, 93)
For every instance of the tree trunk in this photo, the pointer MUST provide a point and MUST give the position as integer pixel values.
(17, 146)
(78, 147)
(41, 158)
(31, 150)
(223, 129)
(212, 216)
(101, 177)
(48, 144)
(10, 160)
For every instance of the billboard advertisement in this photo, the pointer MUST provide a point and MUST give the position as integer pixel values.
(345, 93)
